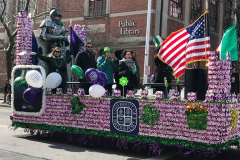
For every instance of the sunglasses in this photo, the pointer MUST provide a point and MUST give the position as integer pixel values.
(89, 46)
(57, 51)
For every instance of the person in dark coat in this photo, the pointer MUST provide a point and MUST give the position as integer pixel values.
(162, 70)
(127, 68)
(86, 60)
(9, 92)
(118, 55)
(134, 58)
(56, 63)
(5, 92)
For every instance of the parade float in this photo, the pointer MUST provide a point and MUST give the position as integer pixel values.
(141, 121)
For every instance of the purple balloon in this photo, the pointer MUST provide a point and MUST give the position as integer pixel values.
(91, 75)
(152, 78)
(32, 95)
(102, 78)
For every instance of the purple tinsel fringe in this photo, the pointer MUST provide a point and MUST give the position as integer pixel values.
(153, 148)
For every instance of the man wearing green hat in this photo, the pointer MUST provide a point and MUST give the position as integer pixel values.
(106, 64)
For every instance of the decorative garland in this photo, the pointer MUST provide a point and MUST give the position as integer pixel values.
(150, 115)
(234, 118)
(77, 106)
(172, 142)
(30, 67)
(196, 116)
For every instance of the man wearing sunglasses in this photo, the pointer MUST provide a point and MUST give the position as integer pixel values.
(86, 60)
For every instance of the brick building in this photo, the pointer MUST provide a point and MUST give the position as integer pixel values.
(121, 24)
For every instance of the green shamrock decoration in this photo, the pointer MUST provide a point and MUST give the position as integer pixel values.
(150, 115)
(123, 81)
(77, 106)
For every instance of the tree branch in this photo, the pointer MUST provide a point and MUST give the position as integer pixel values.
(41, 14)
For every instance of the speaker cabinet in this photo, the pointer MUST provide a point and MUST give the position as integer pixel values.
(196, 81)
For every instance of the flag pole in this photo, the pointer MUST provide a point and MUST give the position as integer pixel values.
(145, 76)
(236, 22)
(205, 30)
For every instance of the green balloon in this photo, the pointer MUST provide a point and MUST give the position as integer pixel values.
(77, 71)
(20, 81)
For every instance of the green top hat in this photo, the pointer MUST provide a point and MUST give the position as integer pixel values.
(157, 41)
(107, 49)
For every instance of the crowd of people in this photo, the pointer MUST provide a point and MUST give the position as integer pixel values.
(123, 64)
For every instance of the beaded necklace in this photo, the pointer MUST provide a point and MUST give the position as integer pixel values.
(58, 66)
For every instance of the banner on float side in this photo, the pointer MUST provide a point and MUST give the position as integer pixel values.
(124, 116)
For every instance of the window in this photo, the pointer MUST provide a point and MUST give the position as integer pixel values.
(228, 14)
(196, 10)
(213, 11)
(21, 5)
(176, 9)
(97, 7)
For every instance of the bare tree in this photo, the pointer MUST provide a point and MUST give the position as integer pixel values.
(7, 18)
(11, 34)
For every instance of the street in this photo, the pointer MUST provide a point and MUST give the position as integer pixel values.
(15, 145)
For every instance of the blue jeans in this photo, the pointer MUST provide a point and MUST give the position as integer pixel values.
(4, 97)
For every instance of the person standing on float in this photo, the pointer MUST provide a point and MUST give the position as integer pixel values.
(127, 68)
(106, 64)
(56, 63)
(134, 58)
(86, 60)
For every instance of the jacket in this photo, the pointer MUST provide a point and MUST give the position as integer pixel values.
(85, 61)
(108, 67)
(125, 71)
(55, 65)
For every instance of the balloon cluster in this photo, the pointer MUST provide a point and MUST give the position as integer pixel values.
(35, 80)
(92, 75)
(99, 79)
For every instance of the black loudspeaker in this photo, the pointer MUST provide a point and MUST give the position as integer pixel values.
(235, 82)
(196, 81)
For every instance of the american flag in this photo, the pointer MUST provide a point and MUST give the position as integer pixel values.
(185, 46)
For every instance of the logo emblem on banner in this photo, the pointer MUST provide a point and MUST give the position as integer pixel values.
(124, 116)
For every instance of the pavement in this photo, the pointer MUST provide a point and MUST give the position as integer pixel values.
(4, 104)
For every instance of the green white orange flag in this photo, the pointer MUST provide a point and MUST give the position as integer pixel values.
(229, 43)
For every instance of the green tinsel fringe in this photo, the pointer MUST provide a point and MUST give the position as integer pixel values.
(130, 137)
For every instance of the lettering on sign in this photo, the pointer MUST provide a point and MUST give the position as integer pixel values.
(125, 27)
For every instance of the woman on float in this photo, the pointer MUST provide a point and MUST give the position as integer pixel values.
(106, 64)
(127, 68)
(56, 63)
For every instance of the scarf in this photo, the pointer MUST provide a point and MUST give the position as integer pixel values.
(129, 62)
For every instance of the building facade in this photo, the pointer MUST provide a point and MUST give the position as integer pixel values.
(121, 24)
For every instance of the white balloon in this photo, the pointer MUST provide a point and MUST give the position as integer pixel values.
(34, 79)
(96, 90)
(53, 80)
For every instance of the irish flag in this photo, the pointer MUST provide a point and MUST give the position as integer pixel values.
(229, 43)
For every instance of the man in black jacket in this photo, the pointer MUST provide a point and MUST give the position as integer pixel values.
(86, 60)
